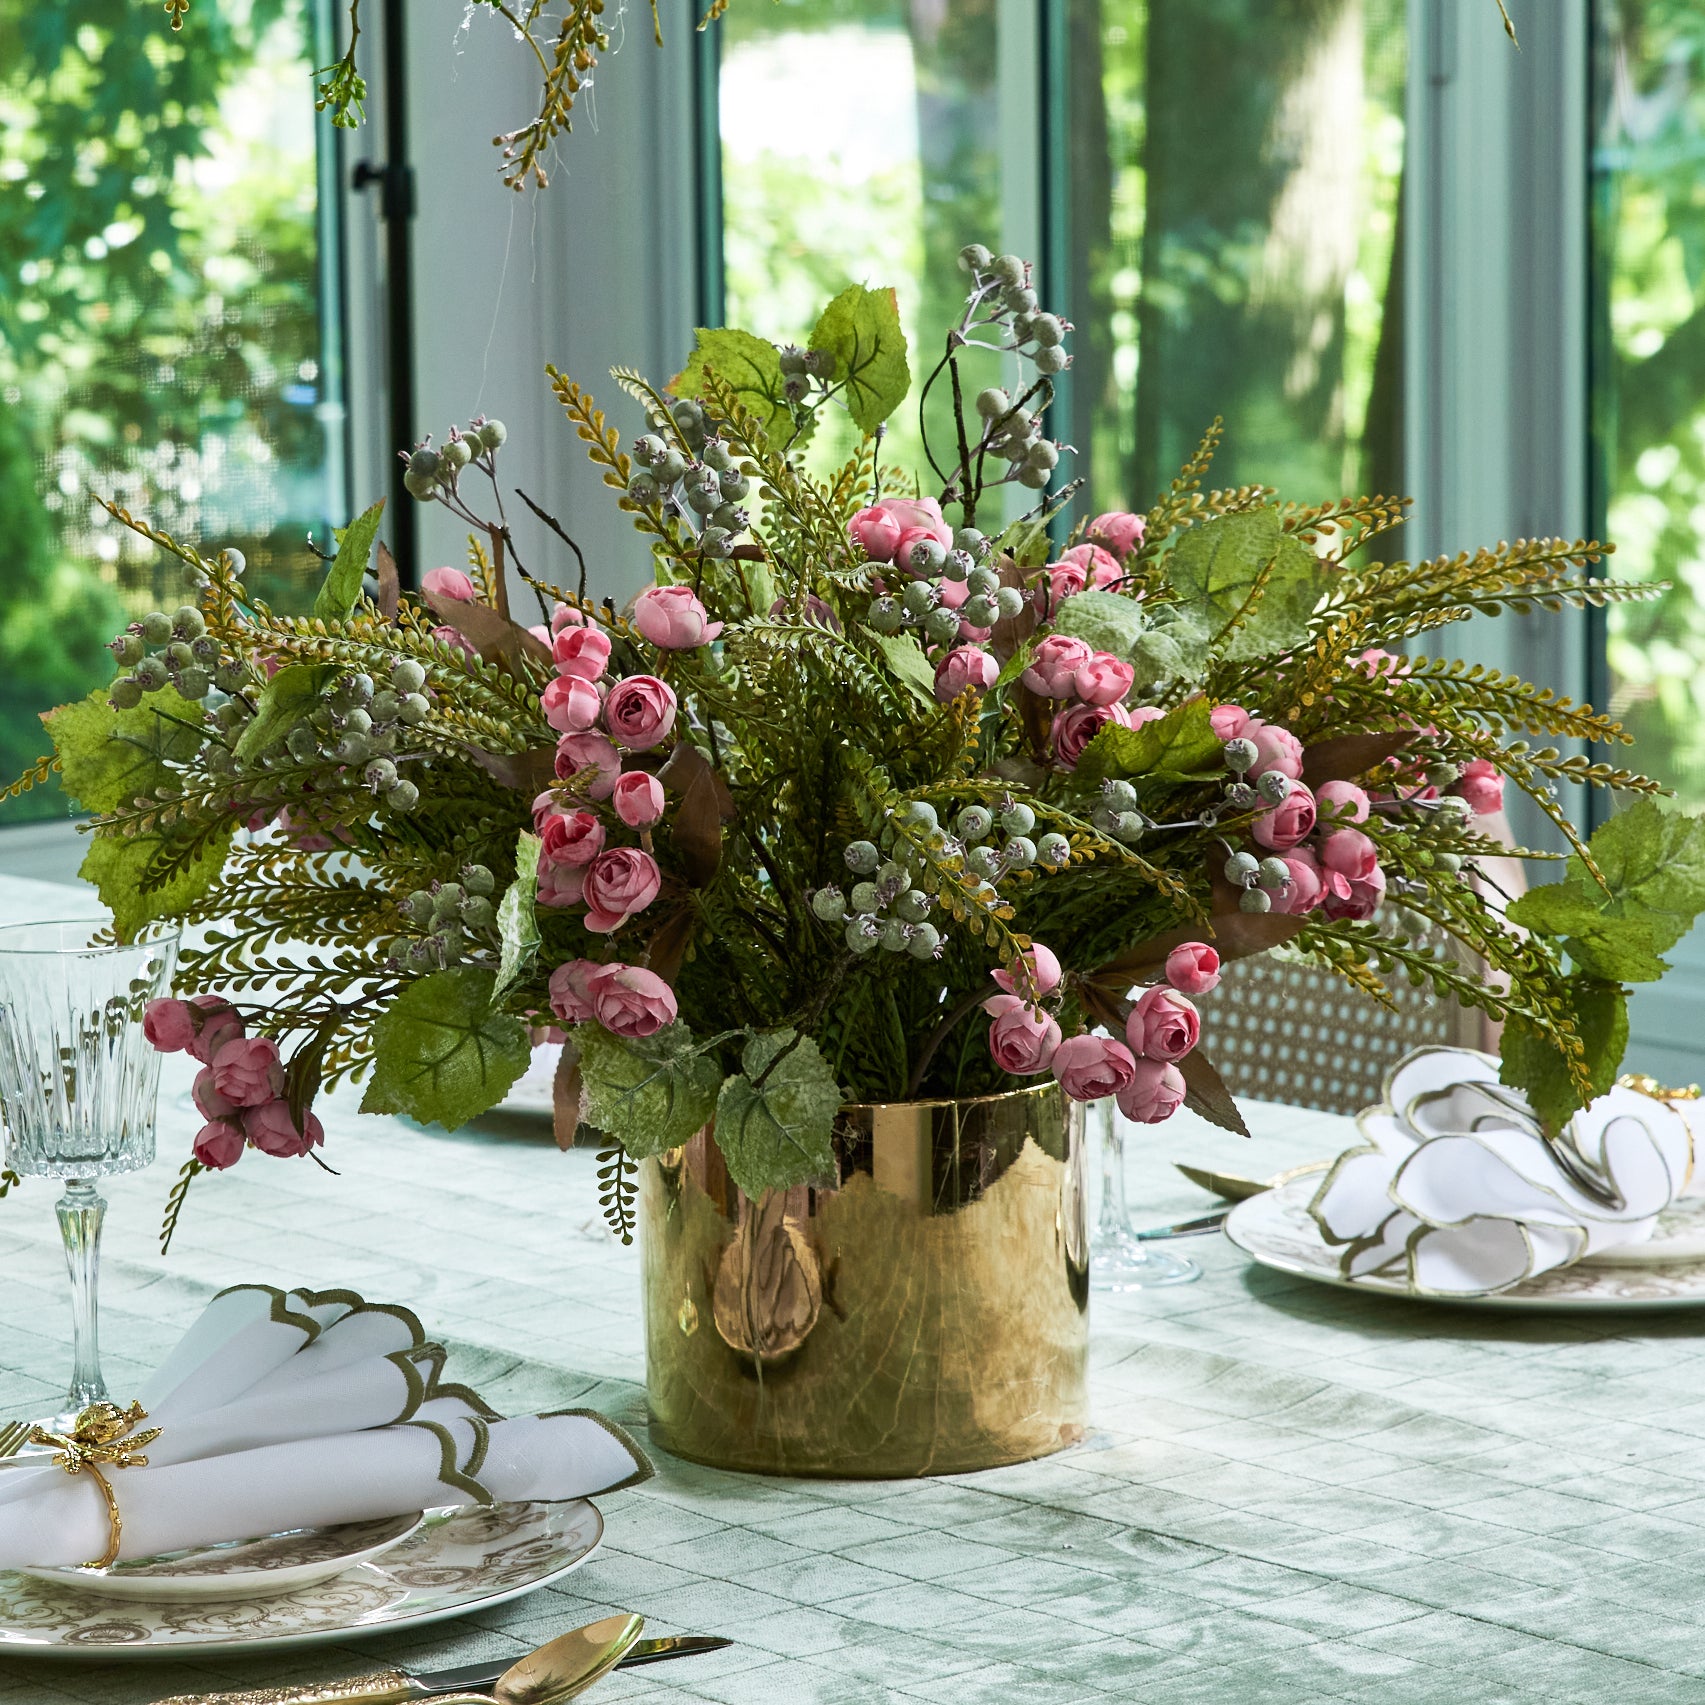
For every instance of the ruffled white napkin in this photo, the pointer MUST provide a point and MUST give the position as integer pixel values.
(1457, 1192)
(280, 1410)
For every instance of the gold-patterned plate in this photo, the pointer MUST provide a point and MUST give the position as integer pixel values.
(460, 1560)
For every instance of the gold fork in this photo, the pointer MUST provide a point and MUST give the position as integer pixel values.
(14, 1435)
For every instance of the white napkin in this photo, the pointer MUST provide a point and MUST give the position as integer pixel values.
(1457, 1192)
(292, 1409)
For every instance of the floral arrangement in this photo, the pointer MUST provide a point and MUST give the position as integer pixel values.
(874, 794)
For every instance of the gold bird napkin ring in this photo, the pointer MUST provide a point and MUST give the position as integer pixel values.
(104, 1436)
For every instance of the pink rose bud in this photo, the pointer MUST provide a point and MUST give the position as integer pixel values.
(571, 837)
(638, 799)
(457, 639)
(1341, 802)
(1098, 566)
(571, 705)
(1078, 724)
(169, 1025)
(1288, 822)
(205, 1094)
(1120, 531)
(219, 1023)
(639, 712)
(449, 583)
(964, 668)
(1104, 679)
(1275, 749)
(1350, 853)
(875, 532)
(1362, 900)
(248, 1071)
(273, 1131)
(1155, 1092)
(1054, 666)
(566, 616)
(1090, 1067)
(672, 617)
(561, 885)
(1228, 721)
(619, 882)
(541, 633)
(1035, 974)
(571, 994)
(219, 1144)
(1304, 891)
(581, 651)
(1482, 785)
(1021, 1039)
(577, 753)
(629, 1001)
(1163, 1025)
(1065, 580)
(1193, 969)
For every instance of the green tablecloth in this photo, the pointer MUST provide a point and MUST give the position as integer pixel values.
(1290, 1494)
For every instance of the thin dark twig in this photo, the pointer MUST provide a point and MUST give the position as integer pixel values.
(556, 527)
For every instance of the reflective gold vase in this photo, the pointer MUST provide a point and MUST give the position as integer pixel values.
(923, 1312)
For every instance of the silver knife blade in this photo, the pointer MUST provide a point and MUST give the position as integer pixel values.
(1187, 1228)
(644, 1652)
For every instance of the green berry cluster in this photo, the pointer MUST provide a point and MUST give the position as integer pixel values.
(1118, 816)
(175, 651)
(884, 910)
(705, 489)
(360, 726)
(447, 914)
(433, 473)
(921, 604)
(1002, 282)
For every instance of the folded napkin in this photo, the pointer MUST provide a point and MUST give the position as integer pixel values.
(280, 1410)
(1457, 1192)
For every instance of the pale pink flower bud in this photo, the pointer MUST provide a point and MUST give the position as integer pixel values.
(964, 667)
(1163, 1025)
(582, 651)
(630, 1001)
(638, 799)
(1193, 968)
(672, 617)
(1021, 1038)
(1156, 1091)
(1090, 1067)
(571, 704)
(449, 583)
(1037, 973)
(1104, 679)
(1054, 665)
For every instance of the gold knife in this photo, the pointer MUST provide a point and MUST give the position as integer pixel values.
(1235, 1188)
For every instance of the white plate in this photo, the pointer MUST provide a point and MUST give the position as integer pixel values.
(459, 1561)
(268, 1567)
(1277, 1229)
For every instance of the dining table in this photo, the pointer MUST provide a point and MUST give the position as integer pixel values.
(1288, 1492)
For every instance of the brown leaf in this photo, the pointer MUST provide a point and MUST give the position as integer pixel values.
(1233, 935)
(390, 586)
(1102, 1007)
(1205, 1093)
(1349, 756)
(670, 942)
(1007, 636)
(705, 805)
(565, 1096)
(529, 772)
(494, 637)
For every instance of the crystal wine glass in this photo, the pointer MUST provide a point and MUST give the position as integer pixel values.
(1119, 1260)
(77, 1088)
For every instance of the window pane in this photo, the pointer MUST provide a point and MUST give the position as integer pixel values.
(1649, 392)
(163, 337)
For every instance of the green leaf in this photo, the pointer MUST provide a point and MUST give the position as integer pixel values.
(1105, 621)
(1654, 866)
(777, 1133)
(517, 918)
(906, 660)
(1182, 743)
(441, 1054)
(652, 1094)
(751, 365)
(861, 329)
(108, 757)
(1215, 565)
(1533, 1063)
(290, 697)
(117, 865)
(342, 585)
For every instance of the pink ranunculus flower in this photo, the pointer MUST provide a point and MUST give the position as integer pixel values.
(1054, 666)
(630, 1001)
(1288, 822)
(638, 799)
(1482, 785)
(1099, 566)
(458, 640)
(571, 837)
(1119, 530)
(875, 532)
(248, 1071)
(1275, 749)
(204, 1092)
(1076, 725)
(571, 990)
(581, 651)
(1363, 899)
(639, 712)
(220, 1023)
(576, 753)
(1104, 679)
(619, 882)
(571, 704)
(1193, 968)
(219, 1144)
(169, 1025)
(1156, 1091)
(449, 583)
(1350, 853)
(1136, 715)
(1065, 580)
(1229, 721)
(1090, 1067)
(566, 616)
(1039, 964)
(1164, 1025)
(1022, 1038)
(561, 885)
(964, 668)
(272, 1130)
(1306, 886)
(1341, 802)
(672, 617)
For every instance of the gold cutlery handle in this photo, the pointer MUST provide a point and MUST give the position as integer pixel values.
(388, 1687)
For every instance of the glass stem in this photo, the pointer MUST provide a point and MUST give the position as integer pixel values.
(81, 1210)
(1115, 1220)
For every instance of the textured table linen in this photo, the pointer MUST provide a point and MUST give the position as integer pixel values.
(1290, 1494)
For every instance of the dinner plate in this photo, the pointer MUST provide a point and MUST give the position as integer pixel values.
(459, 1561)
(267, 1567)
(1276, 1229)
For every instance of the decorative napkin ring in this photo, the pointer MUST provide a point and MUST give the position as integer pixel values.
(104, 1434)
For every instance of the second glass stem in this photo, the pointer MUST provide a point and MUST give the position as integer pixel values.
(81, 1210)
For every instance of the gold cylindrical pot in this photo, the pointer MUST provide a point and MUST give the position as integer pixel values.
(924, 1311)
